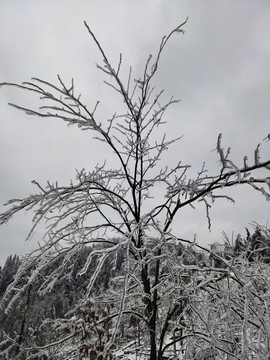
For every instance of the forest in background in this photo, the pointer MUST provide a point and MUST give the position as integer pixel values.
(38, 316)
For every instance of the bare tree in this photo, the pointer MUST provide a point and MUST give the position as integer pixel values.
(156, 284)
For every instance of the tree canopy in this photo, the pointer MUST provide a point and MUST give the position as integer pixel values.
(179, 299)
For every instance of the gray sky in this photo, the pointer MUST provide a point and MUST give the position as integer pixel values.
(219, 69)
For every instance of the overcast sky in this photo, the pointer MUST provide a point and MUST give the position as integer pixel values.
(219, 69)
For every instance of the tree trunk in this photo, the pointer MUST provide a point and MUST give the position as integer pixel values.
(153, 349)
(151, 312)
